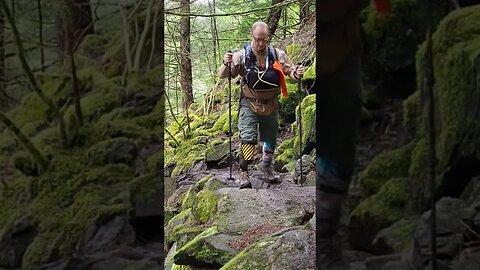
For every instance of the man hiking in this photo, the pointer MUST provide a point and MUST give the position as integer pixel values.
(339, 101)
(262, 69)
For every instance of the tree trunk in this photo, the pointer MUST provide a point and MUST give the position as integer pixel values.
(304, 10)
(3, 90)
(185, 60)
(78, 13)
(214, 34)
(40, 35)
(274, 17)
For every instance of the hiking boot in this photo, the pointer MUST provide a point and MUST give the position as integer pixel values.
(267, 171)
(244, 180)
(329, 255)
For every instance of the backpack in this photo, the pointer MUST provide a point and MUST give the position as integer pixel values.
(260, 79)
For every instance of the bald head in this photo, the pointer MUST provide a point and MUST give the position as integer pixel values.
(261, 26)
(260, 33)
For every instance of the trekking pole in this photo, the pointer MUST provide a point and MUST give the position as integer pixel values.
(230, 117)
(428, 83)
(299, 89)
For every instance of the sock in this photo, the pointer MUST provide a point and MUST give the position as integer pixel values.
(268, 152)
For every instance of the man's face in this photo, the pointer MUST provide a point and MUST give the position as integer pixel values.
(259, 39)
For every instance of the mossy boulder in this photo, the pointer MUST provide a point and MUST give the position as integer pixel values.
(391, 41)
(456, 56)
(122, 128)
(25, 163)
(188, 198)
(285, 155)
(222, 123)
(30, 129)
(385, 166)
(32, 109)
(8, 142)
(186, 156)
(121, 113)
(204, 251)
(397, 238)
(214, 184)
(116, 150)
(154, 163)
(308, 123)
(204, 205)
(180, 219)
(390, 204)
(145, 193)
(412, 112)
(96, 104)
(292, 248)
(216, 153)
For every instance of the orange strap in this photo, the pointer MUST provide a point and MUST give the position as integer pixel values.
(383, 7)
(283, 85)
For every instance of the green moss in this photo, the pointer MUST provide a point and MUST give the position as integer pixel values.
(286, 153)
(201, 183)
(222, 123)
(181, 267)
(96, 104)
(390, 204)
(121, 128)
(189, 230)
(32, 128)
(204, 205)
(418, 166)
(25, 163)
(110, 174)
(144, 84)
(187, 155)
(400, 235)
(154, 163)
(116, 150)
(116, 114)
(202, 251)
(214, 184)
(47, 137)
(92, 46)
(385, 166)
(456, 51)
(145, 188)
(412, 112)
(32, 109)
(252, 257)
(8, 142)
(392, 40)
(188, 198)
(294, 51)
(308, 123)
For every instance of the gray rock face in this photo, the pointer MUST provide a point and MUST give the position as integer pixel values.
(239, 210)
(293, 248)
(15, 242)
(452, 215)
(468, 262)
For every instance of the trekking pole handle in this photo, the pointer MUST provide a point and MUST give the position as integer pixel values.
(230, 67)
(299, 79)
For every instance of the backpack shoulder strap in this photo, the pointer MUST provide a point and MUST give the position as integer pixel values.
(247, 50)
